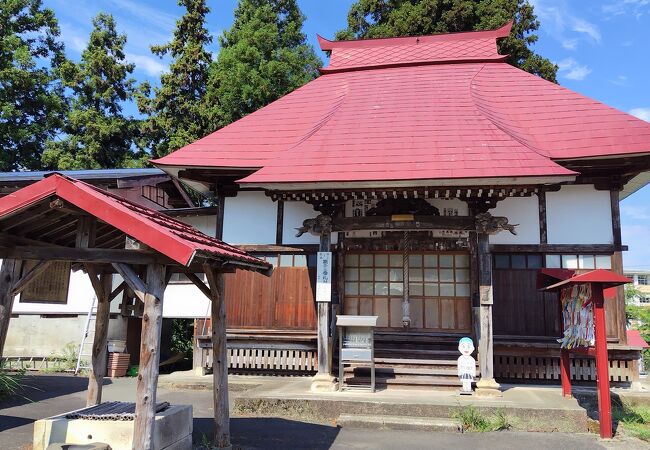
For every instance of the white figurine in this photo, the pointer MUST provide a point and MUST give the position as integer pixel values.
(466, 364)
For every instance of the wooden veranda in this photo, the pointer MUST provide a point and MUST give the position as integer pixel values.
(62, 219)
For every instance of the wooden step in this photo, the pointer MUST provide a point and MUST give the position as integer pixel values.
(407, 362)
(388, 372)
(406, 381)
(408, 353)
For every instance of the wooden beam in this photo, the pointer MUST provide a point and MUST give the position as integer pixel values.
(132, 279)
(279, 226)
(420, 223)
(487, 385)
(86, 228)
(219, 358)
(199, 284)
(95, 281)
(556, 248)
(9, 273)
(21, 284)
(543, 228)
(120, 288)
(91, 255)
(145, 404)
(616, 217)
(100, 344)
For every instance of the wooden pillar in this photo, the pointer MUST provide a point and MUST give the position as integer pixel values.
(219, 359)
(100, 344)
(145, 403)
(565, 360)
(543, 228)
(602, 363)
(9, 274)
(323, 380)
(486, 385)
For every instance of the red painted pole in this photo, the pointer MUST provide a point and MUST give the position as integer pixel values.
(602, 363)
(565, 373)
(565, 367)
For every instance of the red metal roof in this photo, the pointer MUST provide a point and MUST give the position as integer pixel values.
(444, 110)
(415, 50)
(170, 237)
(634, 339)
(606, 278)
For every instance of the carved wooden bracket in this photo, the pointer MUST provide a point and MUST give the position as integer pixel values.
(315, 226)
(487, 223)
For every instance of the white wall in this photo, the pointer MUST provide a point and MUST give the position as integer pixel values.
(519, 210)
(185, 301)
(250, 218)
(294, 214)
(205, 224)
(80, 295)
(579, 214)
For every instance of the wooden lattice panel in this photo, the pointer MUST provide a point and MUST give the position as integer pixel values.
(508, 367)
(244, 359)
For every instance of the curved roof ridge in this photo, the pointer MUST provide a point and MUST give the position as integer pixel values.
(487, 111)
(328, 45)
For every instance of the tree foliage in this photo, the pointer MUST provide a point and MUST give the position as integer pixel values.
(392, 18)
(263, 56)
(96, 132)
(31, 98)
(177, 114)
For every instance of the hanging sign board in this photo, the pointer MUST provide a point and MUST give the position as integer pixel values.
(324, 277)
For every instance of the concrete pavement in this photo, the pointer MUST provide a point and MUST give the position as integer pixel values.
(55, 394)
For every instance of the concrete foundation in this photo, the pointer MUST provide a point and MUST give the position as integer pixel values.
(172, 431)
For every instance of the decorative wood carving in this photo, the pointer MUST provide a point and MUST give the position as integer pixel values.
(315, 226)
(487, 223)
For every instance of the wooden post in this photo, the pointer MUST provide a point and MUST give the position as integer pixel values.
(100, 345)
(323, 380)
(9, 274)
(486, 385)
(219, 359)
(565, 360)
(602, 363)
(145, 403)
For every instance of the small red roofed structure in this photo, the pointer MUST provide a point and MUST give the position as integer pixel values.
(598, 280)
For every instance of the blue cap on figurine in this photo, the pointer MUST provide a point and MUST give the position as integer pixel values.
(466, 340)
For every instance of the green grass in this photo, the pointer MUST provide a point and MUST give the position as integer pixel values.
(472, 419)
(635, 419)
(10, 382)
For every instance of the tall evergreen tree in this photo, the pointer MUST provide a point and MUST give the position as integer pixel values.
(177, 114)
(263, 56)
(391, 18)
(31, 98)
(96, 132)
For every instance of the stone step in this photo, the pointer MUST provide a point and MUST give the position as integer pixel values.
(399, 423)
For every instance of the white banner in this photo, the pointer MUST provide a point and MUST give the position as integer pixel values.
(324, 277)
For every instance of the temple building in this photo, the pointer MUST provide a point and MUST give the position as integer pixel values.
(441, 178)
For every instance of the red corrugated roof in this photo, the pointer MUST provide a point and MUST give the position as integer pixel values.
(442, 108)
(634, 339)
(170, 237)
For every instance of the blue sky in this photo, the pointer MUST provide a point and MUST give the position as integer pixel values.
(601, 47)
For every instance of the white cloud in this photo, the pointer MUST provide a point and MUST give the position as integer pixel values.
(152, 16)
(569, 68)
(641, 113)
(582, 26)
(147, 64)
(563, 25)
(74, 37)
(635, 7)
(636, 212)
(620, 80)
(570, 44)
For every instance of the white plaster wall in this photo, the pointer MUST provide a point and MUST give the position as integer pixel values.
(452, 204)
(579, 214)
(185, 301)
(519, 210)
(250, 218)
(205, 224)
(294, 214)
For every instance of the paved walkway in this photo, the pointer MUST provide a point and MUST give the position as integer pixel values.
(55, 394)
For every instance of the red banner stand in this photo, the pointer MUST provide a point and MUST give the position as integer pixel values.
(600, 280)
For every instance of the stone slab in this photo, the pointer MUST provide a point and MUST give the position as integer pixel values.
(172, 431)
(399, 423)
